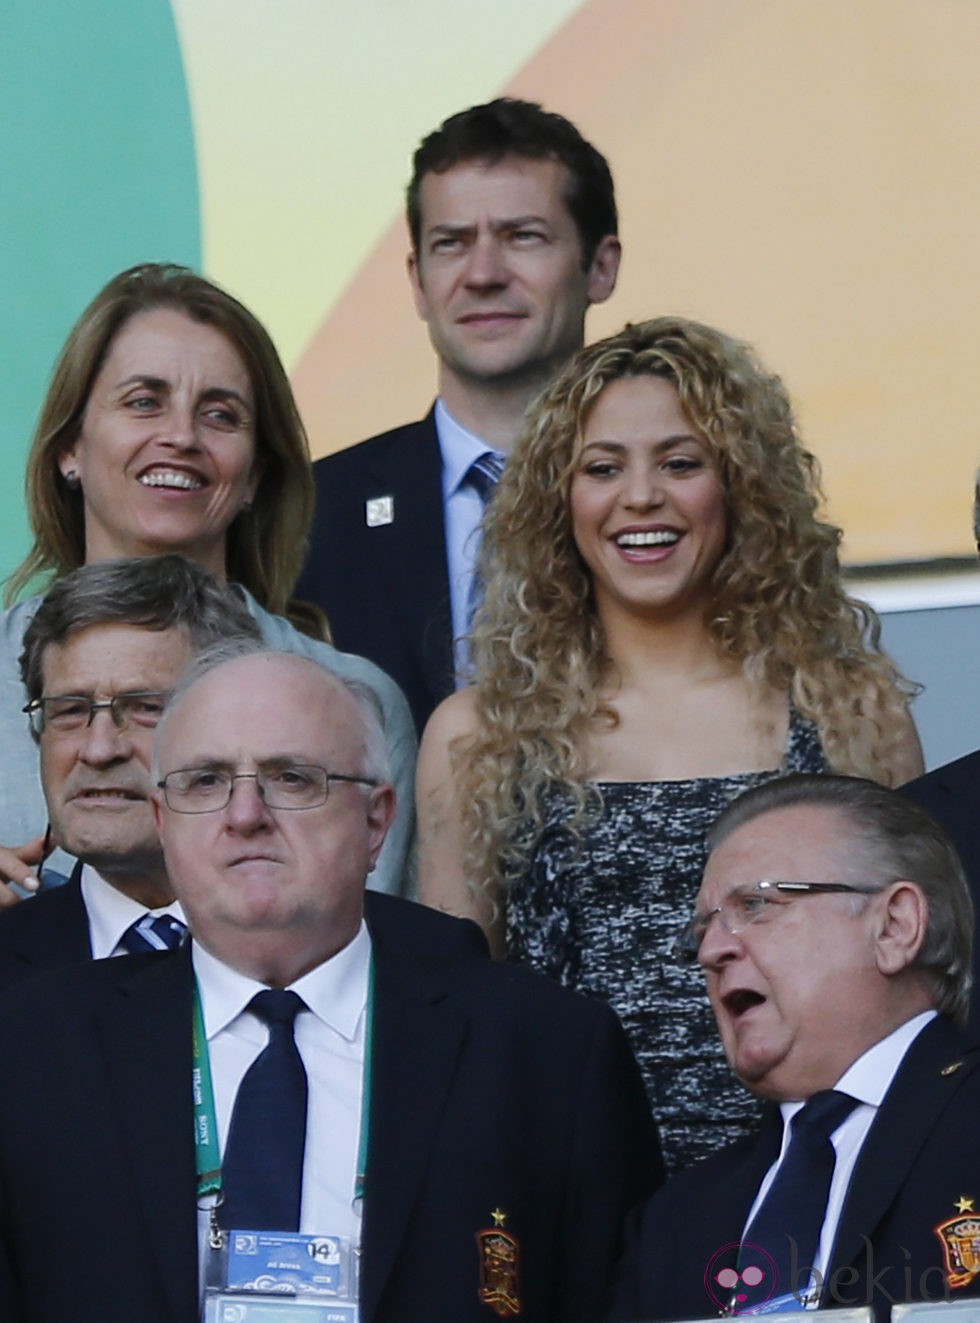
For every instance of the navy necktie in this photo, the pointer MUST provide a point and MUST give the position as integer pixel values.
(160, 932)
(483, 475)
(788, 1222)
(262, 1172)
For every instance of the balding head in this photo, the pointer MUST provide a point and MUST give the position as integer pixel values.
(273, 880)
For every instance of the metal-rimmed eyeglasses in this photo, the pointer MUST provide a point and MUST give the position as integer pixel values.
(282, 786)
(749, 904)
(64, 713)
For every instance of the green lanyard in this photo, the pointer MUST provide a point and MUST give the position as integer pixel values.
(206, 1146)
(207, 1151)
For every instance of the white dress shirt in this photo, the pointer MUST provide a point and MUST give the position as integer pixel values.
(110, 913)
(868, 1080)
(463, 508)
(331, 1041)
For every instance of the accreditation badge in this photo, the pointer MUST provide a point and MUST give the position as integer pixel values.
(280, 1277)
(229, 1309)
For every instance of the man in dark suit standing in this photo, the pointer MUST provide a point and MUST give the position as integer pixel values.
(834, 927)
(469, 1134)
(513, 227)
(101, 654)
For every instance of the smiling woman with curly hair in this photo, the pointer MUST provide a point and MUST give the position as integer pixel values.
(664, 626)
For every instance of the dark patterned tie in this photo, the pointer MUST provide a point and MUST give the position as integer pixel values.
(262, 1173)
(160, 932)
(482, 475)
(781, 1242)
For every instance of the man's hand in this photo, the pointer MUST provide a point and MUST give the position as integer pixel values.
(19, 864)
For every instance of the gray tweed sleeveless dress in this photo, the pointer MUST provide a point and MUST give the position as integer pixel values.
(600, 915)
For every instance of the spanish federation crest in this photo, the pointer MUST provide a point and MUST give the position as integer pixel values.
(500, 1256)
(960, 1238)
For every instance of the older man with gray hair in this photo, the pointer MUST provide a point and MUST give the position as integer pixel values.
(834, 926)
(103, 651)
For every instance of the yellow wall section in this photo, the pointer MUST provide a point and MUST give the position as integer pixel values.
(306, 114)
(803, 173)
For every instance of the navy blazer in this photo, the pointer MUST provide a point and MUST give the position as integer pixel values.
(44, 932)
(493, 1091)
(952, 795)
(385, 588)
(921, 1156)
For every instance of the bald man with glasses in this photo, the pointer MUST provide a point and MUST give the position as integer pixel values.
(834, 927)
(321, 1091)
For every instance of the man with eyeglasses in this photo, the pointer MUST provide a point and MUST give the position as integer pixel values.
(414, 1135)
(101, 654)
(834, 926)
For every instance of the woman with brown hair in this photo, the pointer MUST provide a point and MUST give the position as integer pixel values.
(664, 626)
(170, 426)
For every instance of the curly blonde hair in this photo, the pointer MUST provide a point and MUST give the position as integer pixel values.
(779, 608)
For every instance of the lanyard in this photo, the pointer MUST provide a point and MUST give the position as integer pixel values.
(206, 1145)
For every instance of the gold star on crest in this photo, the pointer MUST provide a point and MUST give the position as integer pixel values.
(500, 1217)
(963, 1204)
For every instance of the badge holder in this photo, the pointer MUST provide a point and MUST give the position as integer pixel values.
(279, 1277)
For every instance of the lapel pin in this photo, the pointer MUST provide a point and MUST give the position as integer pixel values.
(379, 510)
(500, 1256)
(951, 1069)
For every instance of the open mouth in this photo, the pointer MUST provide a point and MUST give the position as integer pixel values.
(108, 792)
(178, 479)
(741, 1000)
(661, 537)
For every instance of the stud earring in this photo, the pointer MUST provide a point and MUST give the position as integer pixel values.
(72, 480)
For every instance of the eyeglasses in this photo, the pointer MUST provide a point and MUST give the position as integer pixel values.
(286, 786)
(747, 905)
(72, 712)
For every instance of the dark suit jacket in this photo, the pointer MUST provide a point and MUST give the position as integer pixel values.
(45, 932)
(386, 589)
(921, 1155)
(52, 929)
(492, 1089)
(952, 795)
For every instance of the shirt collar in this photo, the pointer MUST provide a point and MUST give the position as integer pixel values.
(111, 912)
(335, 991)
(459, 448)
(870, 1077)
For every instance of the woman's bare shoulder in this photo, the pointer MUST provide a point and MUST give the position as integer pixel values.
(455, 716)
